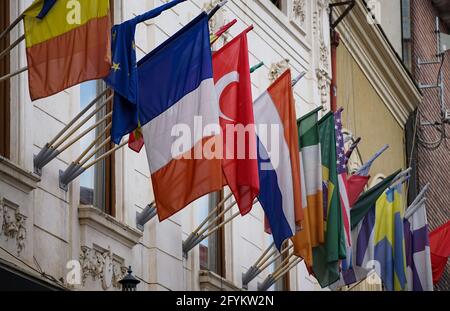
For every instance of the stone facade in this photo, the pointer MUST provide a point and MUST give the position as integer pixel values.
(432, 163)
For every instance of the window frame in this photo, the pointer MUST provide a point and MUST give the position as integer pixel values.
(5, 86)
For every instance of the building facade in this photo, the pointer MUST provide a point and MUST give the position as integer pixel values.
(432, 156)
(86, 237)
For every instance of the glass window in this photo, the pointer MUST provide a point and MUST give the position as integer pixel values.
(211, 248)
(5, 85)
(96, 184)
(406, 33)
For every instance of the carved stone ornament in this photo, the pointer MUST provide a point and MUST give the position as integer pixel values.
(277, 69)
(12, 224)
(323, 82)
(101, 266)
(299, 9)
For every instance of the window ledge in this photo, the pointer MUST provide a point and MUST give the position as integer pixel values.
(17, 177)
(209, 281)
(108, 225)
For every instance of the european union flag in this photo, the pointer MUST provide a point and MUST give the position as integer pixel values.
(123, 77)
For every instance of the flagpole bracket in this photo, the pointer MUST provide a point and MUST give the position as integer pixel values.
(266, 284)
(145, 216)
(192, 241)
(45, 156)
(248, 276)
(66, 177)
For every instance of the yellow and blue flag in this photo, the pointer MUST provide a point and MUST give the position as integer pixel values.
(389, 239)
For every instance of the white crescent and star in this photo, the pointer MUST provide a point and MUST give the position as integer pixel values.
(221, 85)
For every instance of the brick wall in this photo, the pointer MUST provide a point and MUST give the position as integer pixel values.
(433, 161)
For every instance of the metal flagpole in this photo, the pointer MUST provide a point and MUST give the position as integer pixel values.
(13, 45)
(96, 140)
(15, 73)
(11, 26)
(106, 154)
(85, 132)
(49, 152)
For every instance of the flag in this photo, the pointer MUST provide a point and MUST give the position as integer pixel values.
(214, 37)
(279, 168)
(362, 216)
(64, 50)
(355, 186)
(417, 246)
(123, 75)
(234, 90)
(179, 114)
(326, 257)
(48, 5)
(440, 250)
(343, 189)
(389, 240)
(358, 181)
(311, 173)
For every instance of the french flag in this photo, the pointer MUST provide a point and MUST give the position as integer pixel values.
(178, 110)
(279, 166)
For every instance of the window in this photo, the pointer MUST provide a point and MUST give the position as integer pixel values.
(212, 252)
(406, 33)
(281, 5)
(97, 183)
(5, 85)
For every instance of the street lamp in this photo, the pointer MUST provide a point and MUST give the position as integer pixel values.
(129, 282)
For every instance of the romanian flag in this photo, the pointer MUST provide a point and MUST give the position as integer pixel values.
(67, 43)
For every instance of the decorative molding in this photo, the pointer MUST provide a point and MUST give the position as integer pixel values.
(13, 223)
(17, 177)
(101, 266)
(108, 225)
(379, 63)
(299, 10)
(209, 281)
(323, 84)
(276, 69)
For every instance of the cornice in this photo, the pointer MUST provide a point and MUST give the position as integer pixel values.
(380, 64)
(17, 177)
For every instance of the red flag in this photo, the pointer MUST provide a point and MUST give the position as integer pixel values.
(233, 85)
(355, 186)
(440, 250)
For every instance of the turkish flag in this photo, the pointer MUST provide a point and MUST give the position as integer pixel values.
(233, 85)
(440, 250)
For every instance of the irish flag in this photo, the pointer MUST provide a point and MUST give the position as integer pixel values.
(67, 42)
(311, 168)
(179, 114)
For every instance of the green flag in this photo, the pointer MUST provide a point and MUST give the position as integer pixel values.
(368, 199)
(326, 257)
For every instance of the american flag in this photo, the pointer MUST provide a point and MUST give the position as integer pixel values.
(342, 178)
